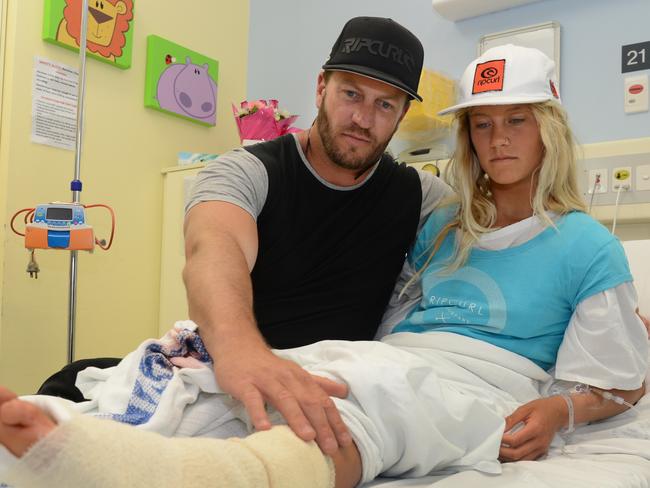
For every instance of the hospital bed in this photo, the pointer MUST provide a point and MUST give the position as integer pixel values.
(610, 453)
(600, 457)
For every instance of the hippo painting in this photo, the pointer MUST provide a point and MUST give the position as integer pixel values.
(188, 90)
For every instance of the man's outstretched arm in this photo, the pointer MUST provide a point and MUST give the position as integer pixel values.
(221, 248)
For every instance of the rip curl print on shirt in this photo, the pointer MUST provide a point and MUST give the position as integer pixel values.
(467, 297)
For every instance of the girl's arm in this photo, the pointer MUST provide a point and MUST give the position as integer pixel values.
(530, 429)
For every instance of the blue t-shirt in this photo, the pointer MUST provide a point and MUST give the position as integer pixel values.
(520, 298)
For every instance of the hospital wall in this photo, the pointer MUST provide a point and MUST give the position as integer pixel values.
(285, 57)
(125, 148)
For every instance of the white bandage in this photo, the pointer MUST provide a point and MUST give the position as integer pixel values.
(104, 454)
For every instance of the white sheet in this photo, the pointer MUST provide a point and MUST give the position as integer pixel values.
(463, 389)
(602, 454)
(594, 458)
(576, 471)
(438, 400)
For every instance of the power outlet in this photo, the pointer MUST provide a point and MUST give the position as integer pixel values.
(599, 186)
(643, 177)
(622, 176)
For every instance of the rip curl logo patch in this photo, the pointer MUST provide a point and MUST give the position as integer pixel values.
(553, 89)
(489, 76)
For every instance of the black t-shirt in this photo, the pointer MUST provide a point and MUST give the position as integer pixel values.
(328, 257)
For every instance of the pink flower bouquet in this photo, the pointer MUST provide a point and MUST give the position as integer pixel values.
(262, 120)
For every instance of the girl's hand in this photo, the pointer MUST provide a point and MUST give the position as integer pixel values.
(539, 421)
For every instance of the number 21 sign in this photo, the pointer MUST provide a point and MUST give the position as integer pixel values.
(635, 57)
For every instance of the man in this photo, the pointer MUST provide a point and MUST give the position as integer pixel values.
(301, 239)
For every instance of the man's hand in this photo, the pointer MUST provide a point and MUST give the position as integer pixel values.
(255, 376)
(541, 419)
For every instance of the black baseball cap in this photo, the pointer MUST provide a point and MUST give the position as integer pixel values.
(381, 49)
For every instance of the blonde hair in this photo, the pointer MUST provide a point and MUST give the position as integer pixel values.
(556, 187)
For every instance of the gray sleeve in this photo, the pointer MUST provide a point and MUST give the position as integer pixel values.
(399, 307)
(434, 190)
(236, 177)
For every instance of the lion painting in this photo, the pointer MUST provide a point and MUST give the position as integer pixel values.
(108, 20)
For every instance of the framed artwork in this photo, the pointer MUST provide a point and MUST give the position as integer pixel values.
(110, 28)
(545, 37)
(181, 82)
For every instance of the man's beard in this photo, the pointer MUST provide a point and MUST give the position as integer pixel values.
(350, 159)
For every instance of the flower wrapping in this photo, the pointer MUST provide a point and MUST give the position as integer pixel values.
(262, 120)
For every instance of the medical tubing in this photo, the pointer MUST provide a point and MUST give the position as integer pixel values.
(608, 395)
(569, 403)
(581, 389)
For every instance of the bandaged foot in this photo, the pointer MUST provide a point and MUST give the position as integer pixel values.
(21, 424)
(86, 451)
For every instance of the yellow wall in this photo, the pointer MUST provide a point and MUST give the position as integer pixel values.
(3, 36)
(125, 147)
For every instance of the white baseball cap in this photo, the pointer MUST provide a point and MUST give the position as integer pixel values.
(505, 75)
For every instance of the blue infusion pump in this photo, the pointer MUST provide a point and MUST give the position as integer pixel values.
(60, 221)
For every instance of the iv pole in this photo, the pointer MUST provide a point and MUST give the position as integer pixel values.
(75, 185)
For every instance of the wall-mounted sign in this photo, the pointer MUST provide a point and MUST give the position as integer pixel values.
(635, 57)
(54, 103)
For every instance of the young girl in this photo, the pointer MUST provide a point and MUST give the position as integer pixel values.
(514, 279)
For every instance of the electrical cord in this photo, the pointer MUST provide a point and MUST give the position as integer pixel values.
(110, 239)
(29, 212)
(593, 192)
(618, 195)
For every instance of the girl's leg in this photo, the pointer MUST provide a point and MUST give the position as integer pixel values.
(347, 466)
(276, 457)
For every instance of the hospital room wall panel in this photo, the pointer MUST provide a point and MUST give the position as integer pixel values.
(591, 84)
(592, 33)
(632, 219)
(125, 148)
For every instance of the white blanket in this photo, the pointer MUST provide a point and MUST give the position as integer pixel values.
(432, 402)
(420, 403)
